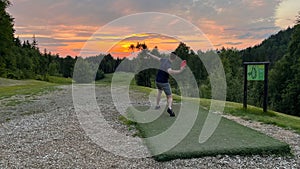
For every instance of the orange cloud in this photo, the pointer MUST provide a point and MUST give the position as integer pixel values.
(71, 49)
(62, 39)
(164, 43)
(222, 36)
(69, 40)
(67, 33)
(254, 3)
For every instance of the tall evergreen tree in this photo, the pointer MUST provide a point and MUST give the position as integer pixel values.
(7, 37)
(291, 94)
(284, 78)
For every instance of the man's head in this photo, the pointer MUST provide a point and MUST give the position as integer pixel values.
(173, 56)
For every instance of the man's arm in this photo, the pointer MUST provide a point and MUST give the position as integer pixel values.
(174, 72)
(153, 56)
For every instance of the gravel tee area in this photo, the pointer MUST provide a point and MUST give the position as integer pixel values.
(44, 132)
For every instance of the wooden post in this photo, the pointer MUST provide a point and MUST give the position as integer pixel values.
(265, 105)
(245, 85)
(265, 102)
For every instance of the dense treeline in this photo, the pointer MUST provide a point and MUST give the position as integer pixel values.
(271, 49)
(23, 60)
(281, 50)
(285, 78)
(146, 69)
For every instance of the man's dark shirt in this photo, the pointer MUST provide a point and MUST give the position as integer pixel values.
(163, 75)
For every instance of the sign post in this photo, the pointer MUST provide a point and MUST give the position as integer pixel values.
(256, 71)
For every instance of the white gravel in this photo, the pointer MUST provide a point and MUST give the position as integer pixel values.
(45, 133)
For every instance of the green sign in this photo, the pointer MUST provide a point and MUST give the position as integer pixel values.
(256, 72)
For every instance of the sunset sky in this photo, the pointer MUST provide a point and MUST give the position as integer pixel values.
(64, 26)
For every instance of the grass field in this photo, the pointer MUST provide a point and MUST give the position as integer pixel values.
(23, 92)
(24, 87)
(59, 80)
(10, 87)
(257, 114)
(229, 138)
(236, 109)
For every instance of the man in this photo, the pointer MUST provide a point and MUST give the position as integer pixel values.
(162, 79)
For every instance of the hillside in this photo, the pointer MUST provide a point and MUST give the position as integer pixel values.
(271, 49)
(282, 50)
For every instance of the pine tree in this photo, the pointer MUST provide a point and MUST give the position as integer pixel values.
(7, 37)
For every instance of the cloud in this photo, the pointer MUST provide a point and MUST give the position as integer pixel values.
(286, 12)
(54, 44)
(245, 36)
(151, 40)
(234, 43)
(54, 40)
(74, 21)
(100, 12)
(254, 3)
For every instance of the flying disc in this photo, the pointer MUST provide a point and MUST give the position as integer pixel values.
(183, 63)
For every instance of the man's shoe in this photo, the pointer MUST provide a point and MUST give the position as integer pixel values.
(157, 107)
(172, 114)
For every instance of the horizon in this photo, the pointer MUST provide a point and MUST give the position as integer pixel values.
(64, 27)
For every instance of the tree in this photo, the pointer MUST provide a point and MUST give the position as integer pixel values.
(132, 47)
(140, 46)
(66, 66)
(291, 93)
(53, 69)
(84, 71)
(232, 63)
(144, 77)
(183, 51)
(6, 27)
(284, 78)
(298, 18)
(34, 43)
(7, 36)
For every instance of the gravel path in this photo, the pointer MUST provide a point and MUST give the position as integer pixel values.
(45, 133)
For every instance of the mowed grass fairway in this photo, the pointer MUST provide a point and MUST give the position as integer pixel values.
(230, 138)
(9, 87)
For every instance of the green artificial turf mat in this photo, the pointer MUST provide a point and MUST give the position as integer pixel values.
(229, 138)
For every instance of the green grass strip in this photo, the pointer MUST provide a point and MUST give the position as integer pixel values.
(236, 109)
(23, 87)
(59, 80)
(256, 114)
(230, 138)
